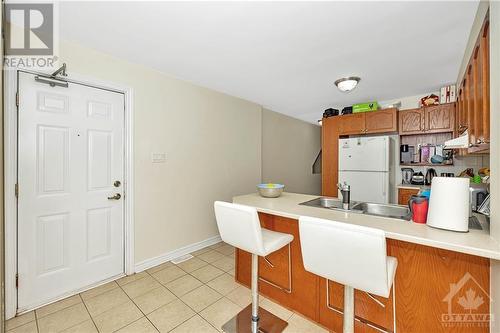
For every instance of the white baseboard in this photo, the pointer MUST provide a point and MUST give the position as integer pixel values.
(148, 263)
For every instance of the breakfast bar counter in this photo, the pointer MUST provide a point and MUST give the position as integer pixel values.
(475, 242)
(436, 271)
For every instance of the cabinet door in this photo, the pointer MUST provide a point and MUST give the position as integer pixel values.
(404, 195)
(368, 308)
(411, 121)
(275, 269)
(303, 296)
(485, 78)
(434, 286)
(352, 124)
(440, 118)
(383, 121)
(469, 95)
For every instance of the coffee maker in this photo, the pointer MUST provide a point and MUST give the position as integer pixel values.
(407, 174)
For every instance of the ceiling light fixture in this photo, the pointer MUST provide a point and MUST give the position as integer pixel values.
(347, 84)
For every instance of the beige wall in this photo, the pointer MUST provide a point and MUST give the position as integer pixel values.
(289, 148)
(495, 154)
(212, 142)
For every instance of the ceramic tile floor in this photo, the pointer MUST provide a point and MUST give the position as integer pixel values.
(195, 296)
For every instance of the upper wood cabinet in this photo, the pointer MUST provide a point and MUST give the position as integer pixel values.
(428, 120)
(352, 124)
(382, 121)
(473, 97)
(411, 121)
(440, 118)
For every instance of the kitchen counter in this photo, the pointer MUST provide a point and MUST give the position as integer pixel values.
(475, 242)
(411, 186)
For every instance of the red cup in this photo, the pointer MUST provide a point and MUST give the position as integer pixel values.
(419, 206)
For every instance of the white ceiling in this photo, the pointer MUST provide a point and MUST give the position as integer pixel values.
(284, 55)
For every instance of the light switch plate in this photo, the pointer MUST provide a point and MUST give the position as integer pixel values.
(158, 157)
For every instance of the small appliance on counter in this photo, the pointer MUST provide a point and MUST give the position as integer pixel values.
(407, 174)
(485, 207)
(419, 206)
(477, 194)
(449, 204)
(418, 178)
(429, 175)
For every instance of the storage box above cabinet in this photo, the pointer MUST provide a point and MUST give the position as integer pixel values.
(427, 120)
(381, 121)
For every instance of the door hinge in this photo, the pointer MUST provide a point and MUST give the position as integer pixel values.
(16, 190)
(17, 280)
(17, 99)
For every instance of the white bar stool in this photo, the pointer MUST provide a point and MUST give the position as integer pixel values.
(239, 226)
(352, 255)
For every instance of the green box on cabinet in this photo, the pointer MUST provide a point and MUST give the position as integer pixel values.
(364, 107)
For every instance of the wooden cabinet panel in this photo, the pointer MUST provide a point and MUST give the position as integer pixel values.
(329, 156)
(378, 312)
(382, 121)
(440, 118)
(275, 267)
(411, 121)
(473, 98)
(352, 124)
(478, 94)
(424, 280)
(303, 296)
(404, 195)
(485, 81)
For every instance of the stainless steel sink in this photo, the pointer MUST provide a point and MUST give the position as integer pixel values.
(331, 203)
(394, 211)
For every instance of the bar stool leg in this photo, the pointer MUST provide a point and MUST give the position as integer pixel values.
(255, 293)
(348, 326)
(254, 319)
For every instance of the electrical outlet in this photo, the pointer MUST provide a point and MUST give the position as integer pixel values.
(158, 157)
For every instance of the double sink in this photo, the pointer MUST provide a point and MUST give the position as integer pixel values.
(368, 208)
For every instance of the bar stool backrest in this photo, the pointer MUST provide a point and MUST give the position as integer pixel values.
(352, 255)
(239, 226)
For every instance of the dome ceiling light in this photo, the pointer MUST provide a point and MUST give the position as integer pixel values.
(347, 84)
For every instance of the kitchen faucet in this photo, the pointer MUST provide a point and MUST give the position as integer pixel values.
(345, 190)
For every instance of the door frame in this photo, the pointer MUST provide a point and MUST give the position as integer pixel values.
(10, 177)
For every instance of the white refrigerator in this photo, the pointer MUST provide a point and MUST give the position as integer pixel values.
(366, 164)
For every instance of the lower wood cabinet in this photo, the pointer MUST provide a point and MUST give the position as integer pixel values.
(404, 195)
(302, 296)
(372, 312)
(426, 279)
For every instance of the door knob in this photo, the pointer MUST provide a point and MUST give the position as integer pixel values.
(117, 183)
(117, 196)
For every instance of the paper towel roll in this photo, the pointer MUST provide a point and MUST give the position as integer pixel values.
(449, 204)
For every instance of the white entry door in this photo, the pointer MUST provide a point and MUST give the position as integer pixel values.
(70, 176)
